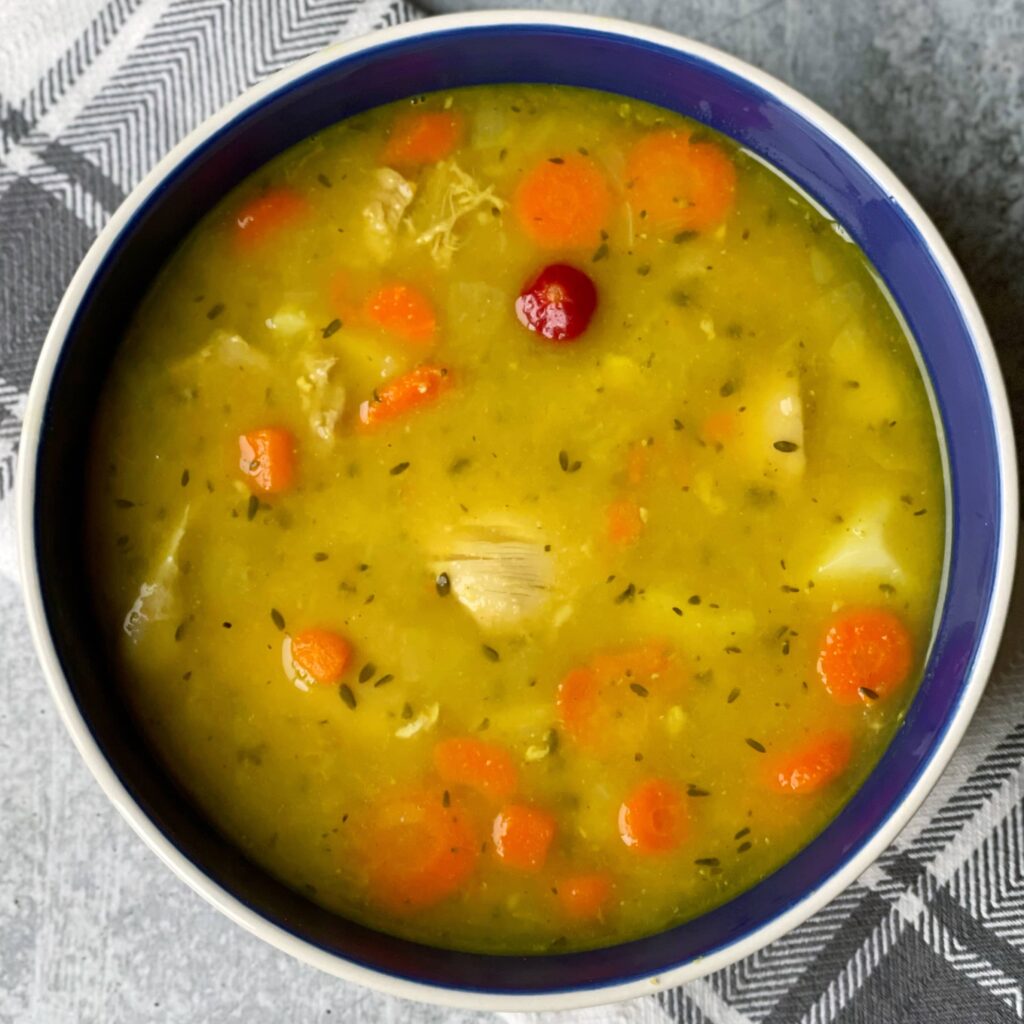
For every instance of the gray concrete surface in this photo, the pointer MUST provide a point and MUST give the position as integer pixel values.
(935, 86)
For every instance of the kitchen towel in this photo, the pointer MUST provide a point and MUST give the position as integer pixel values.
(92, 93)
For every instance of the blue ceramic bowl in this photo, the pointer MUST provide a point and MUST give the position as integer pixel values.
(783, 128)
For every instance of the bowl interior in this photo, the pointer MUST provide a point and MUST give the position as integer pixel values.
(694, 85)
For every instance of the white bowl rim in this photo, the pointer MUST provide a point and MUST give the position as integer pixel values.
(278, 936)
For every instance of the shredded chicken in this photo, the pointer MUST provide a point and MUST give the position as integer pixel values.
(323, 399)
(385, 210)
(500, 572)
(462, 196)
(157, 599)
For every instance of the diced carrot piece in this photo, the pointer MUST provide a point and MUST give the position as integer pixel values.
(267, 214)
(403, 310)
(487, 767)
(267, 459)
(866, 654)
(423, 137)
(676, 184)
(610, 697)
(625, 521)
(653, 817)
(584, 897)
(563, 204)
(402, 395)
(321, 655)
(419, 850)
(720, 427)
(522, 836)
(812, 766)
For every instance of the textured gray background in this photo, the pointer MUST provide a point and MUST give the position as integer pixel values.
(935, 87)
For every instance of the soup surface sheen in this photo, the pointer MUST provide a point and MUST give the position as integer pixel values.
(506, 608)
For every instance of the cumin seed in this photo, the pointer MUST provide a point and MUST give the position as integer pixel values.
(384, 680)
(490, 653)
(367, 672)
(754, 745)
(332, 328)
(733, 694)
(346, 694)
(277, 618)
(639, 689)
(399, 469)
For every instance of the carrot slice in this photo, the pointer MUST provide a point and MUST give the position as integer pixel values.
(563, 203)
(401, 395)
(584, 897)
(674, 183)
(423, 137)
(403, 310)
(866, 654)
(522, 836)
(616, 695)
(720, 427)
(812, 766)
(653, 817)
(321, 655)
(419, 851)
(625, 521)
(264, 216)
(267, 458)
(486, 767)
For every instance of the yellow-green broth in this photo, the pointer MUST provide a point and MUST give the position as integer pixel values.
(667, 403)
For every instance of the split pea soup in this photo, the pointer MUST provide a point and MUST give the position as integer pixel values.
(518, 518)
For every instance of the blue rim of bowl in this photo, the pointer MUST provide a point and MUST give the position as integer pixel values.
(887, 234)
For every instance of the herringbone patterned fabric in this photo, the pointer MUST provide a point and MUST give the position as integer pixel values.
(92, 93)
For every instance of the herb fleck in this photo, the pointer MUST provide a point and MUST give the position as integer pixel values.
(367, 672)
(785, 446)
(277, 618)
(733, 694)
(683, 236)
(320, 556)
(639, 689)
(743, 847)
(458, 465)
(627, 595)
(600, 253)
(184, 478)
(865, 691)
(399, 469)
(707, 862)
(695, 599)
(727, 389)
(754, 745)
(180, 631)
(678, 611)
(742, 832)
(252, 508)
(644, 269)
(124, 503)
(692, 790)
(384, 680)
(446, 799)
(215, 311)
(490, 653)
(332, 328)
(346, 694)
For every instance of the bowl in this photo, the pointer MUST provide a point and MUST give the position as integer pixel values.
(804, 144)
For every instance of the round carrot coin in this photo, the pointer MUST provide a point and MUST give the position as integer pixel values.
(866, 654)
(563, 203)
(652, 819)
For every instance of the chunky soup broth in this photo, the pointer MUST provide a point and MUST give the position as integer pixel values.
(519, 518)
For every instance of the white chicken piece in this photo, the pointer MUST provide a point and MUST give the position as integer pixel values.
(158, 597)
(384, 212)
(323, 399)
(498, 571)
(862, 551)
(228, 349)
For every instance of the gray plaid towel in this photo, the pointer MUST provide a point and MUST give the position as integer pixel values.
(92, 92)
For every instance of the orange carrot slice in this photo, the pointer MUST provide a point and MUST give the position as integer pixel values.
(423, 137)
(812, 766)
(522, 836)
(676, 184)
(419, 851)
(653, 818)
(267, 459)
(866, 654)
(321, 655)
(584, 897)
(625, 521)
(486, 767)
(613, 698)
(402, 395)
(563, 203)
(404, 311)
(268, 214)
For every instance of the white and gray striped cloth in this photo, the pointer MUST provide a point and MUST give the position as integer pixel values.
(92, 928)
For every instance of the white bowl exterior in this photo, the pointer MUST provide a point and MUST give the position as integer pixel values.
(285, 940)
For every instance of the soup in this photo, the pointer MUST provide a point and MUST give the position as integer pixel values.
(518, 518)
